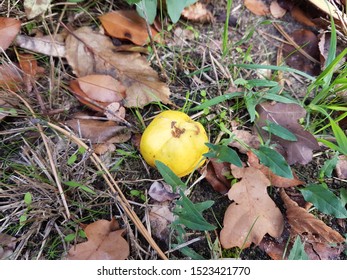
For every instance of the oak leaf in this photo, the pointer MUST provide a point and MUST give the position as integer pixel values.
(89, 52)
(9, 28)
(105, 242)
(287, 116)
(322, 241)
(127, 24)
(252, 213)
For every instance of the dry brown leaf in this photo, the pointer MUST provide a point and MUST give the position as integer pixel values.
(246, 137)
(308, 42)
(115, 112)
(89, 52)
(215, 174)
(45, 45)
(306, 225)
(127, 24)
(160, 217)
(97, 91)
(105, 242)
(10, 77)
(161, 192)
(9, 28)
(7, 245)
(100, 131)
(257, 7)
(198, 12)
(341, 167)
(253, 213)
(276, 10)
(33, 8)
(275, 180)
(300, 16)
(288, 115)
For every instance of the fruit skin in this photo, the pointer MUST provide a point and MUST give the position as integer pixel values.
(176, 140)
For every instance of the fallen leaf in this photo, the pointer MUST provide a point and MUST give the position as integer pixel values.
(182, 36)
(161, 217)
(287, 115)
(115, 112)
(198, 12)
(246, 137)
(276, 10)
(300, 16)
(308, 42)
(312, 230)
(127, 24)
(275, 180)
(161, 192)
(341, 167)
(28, 64)
(257, 7)
(215, 173)
(101, 90)
(45, 45)
(99, 131)
(7, 245)
(252, 213)
(10, 77)
(9, 28)
(105, 242)
(33, 8)
(91, 53)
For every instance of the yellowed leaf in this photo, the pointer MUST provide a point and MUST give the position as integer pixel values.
(252, 213)
(105, 242)
(89, 52)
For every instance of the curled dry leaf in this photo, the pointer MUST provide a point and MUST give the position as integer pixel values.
(9, 28)
(97, 91)
(45, 45)
(301, 16)
(215, 174)
(161, 192)
(89, 53)
(288, 115)
(127, 24)
(313, 231)
(257, 7)
(275, 180)
(100, 131)
(252, 213)
(308, 42)
(105, 242)
(276, 10)
(198, 12)
(160, 217)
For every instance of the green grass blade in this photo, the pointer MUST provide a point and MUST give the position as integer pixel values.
(169, 177)
(217, 100)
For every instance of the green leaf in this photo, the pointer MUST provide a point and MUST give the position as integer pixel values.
(262, 83)
(72, 159)
(343, 196)
(298, 251)
(217, 100)
(130, 2)
(189, 214)
(75, 184)
(275, 161)
(279, 131)
(147, 9)
(328, 167)
(223, 153)
(70, 237)
(175, 8)
(324, 200)
(28, 198)
(169, 177)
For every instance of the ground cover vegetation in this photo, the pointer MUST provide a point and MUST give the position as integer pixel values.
(90, 168)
